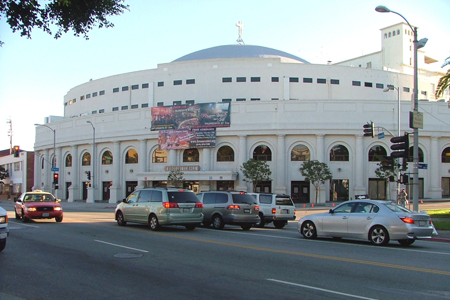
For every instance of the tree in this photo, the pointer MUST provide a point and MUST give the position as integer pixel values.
(3, 173)
(256, 171)
(444, 82)
(76, 15)
(175, 178)
(386, 175)
(317, 173)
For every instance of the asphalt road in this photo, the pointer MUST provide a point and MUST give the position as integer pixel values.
(88, 256)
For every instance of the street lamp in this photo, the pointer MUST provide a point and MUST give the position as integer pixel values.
(417, 45)
(54, 155)
(93, 154)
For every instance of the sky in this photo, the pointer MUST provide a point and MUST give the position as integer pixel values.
(36, 73)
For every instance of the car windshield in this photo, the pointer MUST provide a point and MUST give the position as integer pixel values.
(182, 197)
(243, 198)
(397, 208)
(38, 198)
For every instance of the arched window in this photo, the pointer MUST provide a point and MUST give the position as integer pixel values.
(411, 154)
(300, 153)
(446, 155)
(159, 156)
(107, 158)
(263, 153)
(191, 155)
(225, 153)
(376, 153)
(86, 161)
(131, 157)
(339, 153)
(69, 160)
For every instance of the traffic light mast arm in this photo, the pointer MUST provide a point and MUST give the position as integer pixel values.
(380, 127)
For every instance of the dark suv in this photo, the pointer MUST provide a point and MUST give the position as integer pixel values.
(161, 206)
(226, 207)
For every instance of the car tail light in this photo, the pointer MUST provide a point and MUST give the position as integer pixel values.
(170, 205)
(198, 205)
(233, 207)
(256, 207)
(274, 210)
(407, 220)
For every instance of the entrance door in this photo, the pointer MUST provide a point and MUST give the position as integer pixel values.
(106, 189)
(85, 189)
(300, 191)
(377, 189)
(445, 187)
(264, 187)
(130, 187)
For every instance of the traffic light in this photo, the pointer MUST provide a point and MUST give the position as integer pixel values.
(401, 145)
(369, 129)
(387, 163)
(16, 151)
(88, 175)
(405, 179)
(55, 178)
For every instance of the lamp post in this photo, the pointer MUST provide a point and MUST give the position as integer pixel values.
(54, 149)
(93, 157)
(417, 45)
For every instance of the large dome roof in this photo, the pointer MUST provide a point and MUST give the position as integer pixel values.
(239, 51)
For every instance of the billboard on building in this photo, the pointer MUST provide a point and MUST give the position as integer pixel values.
(187, 138)
(191, 116)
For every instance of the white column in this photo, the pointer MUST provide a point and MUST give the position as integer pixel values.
(74, 189)
(206, 159)
(37, 171)
(116, 190)
(360, 160)
(242, 156)
(435, 190)
(142, 156)
(321, 156)
(280, 179)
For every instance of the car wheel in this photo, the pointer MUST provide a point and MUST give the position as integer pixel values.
(378, 236)
(190, 227)
(120, 219)
(153, 223)
(2, 244)
(59, 219)
(218, 222)
(279, 224)
(246, 226)
(261, 222)
(24, 219)
(308, 230)
(406, 242)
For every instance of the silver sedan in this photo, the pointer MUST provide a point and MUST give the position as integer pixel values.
(373, 220)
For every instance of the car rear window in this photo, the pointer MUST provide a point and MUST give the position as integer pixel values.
(243, 198)
(282, 200)
(182, 197)
(397, 208)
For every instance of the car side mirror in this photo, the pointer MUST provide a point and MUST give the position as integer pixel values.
(331, 211)
(124, 200)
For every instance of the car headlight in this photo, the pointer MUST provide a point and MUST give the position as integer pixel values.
(57, 208)
(3, 219)
(30, 208)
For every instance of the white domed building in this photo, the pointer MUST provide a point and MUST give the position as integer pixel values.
(267, 104)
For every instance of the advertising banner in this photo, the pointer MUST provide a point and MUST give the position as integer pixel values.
(187, 139)
(191, 116)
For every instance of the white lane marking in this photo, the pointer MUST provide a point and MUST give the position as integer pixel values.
(120, 246)
(26, 225)
(320, 289)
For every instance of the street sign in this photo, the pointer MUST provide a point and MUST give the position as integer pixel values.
(55, 169)
(422, 166)
(381, 135)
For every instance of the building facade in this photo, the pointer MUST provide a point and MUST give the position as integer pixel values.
(283, 110)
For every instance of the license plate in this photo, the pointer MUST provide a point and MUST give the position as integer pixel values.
(45, 214)
(285, 211)
(3, 235)
(422, 223)
(186, 210)
(247, 211)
